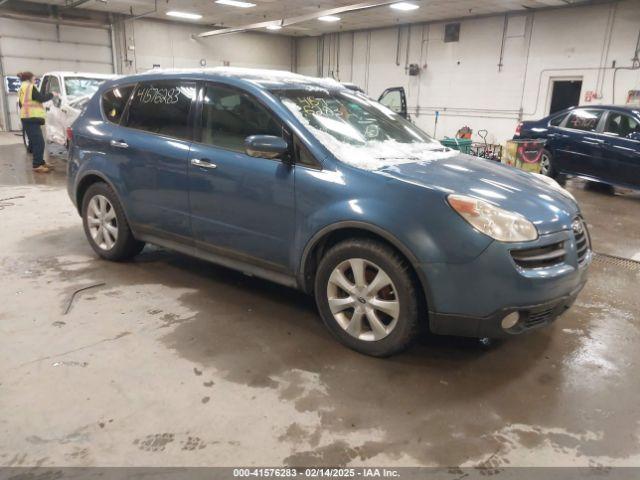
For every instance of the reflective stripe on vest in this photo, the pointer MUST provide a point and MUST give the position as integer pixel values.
(30, 108)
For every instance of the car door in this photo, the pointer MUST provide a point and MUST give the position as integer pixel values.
(577, 144)
(152, 148)
(395, 99)
(241, 206)
(55, 124)
(621, 148)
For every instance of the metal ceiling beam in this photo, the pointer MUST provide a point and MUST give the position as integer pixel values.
(74, 4)
(285, 22)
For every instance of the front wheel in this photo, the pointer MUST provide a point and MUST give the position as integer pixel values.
(106, 226)
(367, 297)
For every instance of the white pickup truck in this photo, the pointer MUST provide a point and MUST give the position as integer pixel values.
(75, 89)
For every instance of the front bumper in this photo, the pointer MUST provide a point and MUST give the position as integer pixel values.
(531, 317)
(472, 299)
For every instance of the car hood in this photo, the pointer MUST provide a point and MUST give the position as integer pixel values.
(506, 187)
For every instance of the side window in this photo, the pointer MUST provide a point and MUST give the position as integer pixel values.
(114, 102)
(556, 121)
(304, 155)
(53, 85)
(162, 107)
(621, 125)
(229, 116)
(392, 100)
(585, 120)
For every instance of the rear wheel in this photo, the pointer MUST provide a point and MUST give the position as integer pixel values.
(106, 226)
(367, 297)
(546, 164)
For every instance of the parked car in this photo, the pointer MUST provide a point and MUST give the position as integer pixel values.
(305, 183)
(394, 98)
(75, 90)
(600, 143)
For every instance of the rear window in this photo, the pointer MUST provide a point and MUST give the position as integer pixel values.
(586, 120)
(555, 121)
(114, 101)
(162, 107)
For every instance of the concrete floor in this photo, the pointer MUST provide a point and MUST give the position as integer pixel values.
(177, 362)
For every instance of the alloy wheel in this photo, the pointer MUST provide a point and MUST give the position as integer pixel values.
(363, 300)
(102, 222)
(545, 164)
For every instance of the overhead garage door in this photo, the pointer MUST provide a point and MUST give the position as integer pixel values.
(42, 47)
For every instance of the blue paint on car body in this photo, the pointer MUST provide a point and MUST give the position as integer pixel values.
(267, 216)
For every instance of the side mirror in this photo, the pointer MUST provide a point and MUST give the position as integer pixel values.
(57, 102)
(265, 146)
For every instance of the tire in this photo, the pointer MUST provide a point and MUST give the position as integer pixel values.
(106, 226)
(546, 164)
(373, 332)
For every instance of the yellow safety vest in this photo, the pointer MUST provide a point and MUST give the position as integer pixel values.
(30, 108)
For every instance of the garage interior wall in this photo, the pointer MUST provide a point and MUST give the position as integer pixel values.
(138, 45)
(501, 69)
(40, 47)
(171, 45)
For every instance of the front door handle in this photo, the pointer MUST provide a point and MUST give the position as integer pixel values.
(119, 144)
(203, 162)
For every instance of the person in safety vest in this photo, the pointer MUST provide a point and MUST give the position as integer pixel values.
(32, 115)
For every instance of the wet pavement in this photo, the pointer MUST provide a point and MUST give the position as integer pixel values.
(173, 361)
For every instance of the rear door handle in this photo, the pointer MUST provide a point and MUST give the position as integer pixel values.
(594, 141)
(119, 144)
(203, 162)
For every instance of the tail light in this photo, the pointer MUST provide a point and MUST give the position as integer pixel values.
(69, 134)
(519, 128)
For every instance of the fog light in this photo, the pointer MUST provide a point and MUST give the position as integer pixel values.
(510, 320)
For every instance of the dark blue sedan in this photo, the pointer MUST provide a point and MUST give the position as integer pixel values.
(600, 143)
(303, 182)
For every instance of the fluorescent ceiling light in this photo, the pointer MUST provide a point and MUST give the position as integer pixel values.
(273, 27)
(236, 3)
(190, 16)
(404, 6)
(329, 18)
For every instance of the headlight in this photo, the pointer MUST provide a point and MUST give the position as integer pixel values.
(554, 185)
(495, 222)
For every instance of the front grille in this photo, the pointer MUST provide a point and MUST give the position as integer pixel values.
(582, 239)
(539, 317)
(540, 257)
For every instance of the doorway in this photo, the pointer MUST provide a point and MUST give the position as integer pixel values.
(565, 94)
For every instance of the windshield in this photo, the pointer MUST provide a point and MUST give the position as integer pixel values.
(82, 86)
(358, 130)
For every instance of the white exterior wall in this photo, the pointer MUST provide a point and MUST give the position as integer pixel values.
(171, 45)
(462, 80)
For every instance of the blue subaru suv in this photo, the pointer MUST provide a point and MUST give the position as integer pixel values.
(306, 183)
